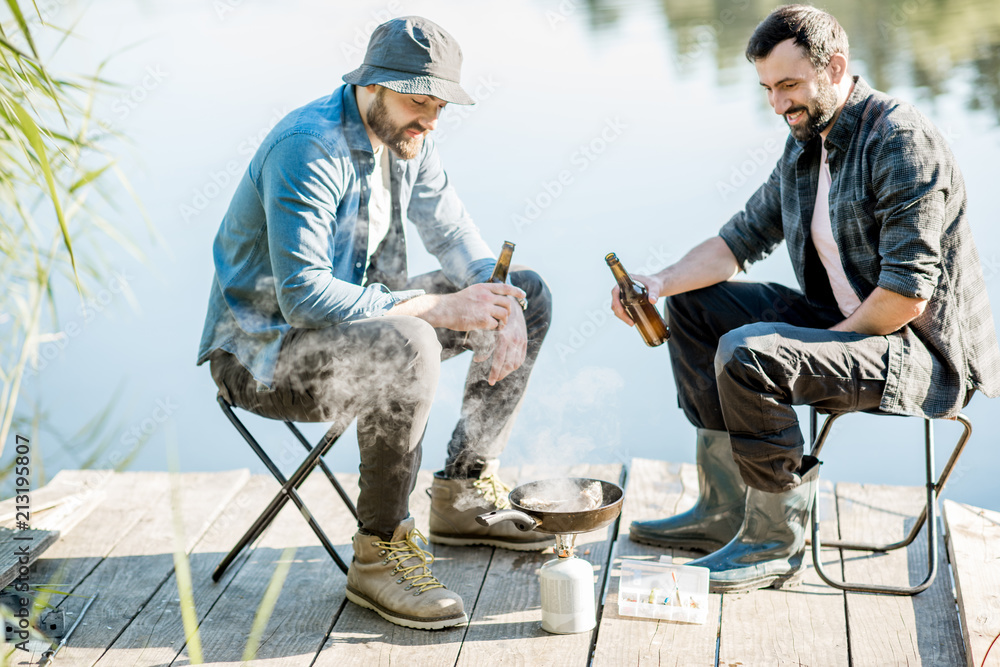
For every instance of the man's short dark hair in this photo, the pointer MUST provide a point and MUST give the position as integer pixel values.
(816, 32)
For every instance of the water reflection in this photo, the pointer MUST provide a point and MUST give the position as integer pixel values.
(924, 44)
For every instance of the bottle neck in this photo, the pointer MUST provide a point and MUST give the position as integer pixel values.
(620, 274)
(503, 264)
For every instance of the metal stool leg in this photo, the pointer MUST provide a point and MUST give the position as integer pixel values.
(288, 491)
(928, 515)
(329, 474)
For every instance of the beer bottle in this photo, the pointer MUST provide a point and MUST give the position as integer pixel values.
(635, 299)
(503, 264)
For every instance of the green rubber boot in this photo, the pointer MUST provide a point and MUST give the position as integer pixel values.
(717, 514)
(771, 544)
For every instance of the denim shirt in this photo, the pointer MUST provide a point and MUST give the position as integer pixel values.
(292, 247)
(897, 212)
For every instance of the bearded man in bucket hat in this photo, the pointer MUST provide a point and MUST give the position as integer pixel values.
(312, 315)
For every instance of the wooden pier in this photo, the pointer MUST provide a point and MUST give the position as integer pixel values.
(118, 533)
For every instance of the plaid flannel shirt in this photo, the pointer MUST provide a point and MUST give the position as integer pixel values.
(897, 209)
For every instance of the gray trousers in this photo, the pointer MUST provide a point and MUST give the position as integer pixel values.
(744, 353)
(384, 371)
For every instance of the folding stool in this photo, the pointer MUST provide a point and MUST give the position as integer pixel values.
(288, 489)
(928, 515)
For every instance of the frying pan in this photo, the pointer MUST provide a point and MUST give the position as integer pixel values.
(558, 523)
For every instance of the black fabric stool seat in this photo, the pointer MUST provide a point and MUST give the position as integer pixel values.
(288, 490)
(928, 515)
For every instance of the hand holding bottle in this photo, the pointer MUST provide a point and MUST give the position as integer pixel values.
(632, 303)
(653, 287)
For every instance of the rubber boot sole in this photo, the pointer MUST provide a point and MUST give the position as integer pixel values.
(406, 621)
(778, 581)
(490, 542)
(704, 546)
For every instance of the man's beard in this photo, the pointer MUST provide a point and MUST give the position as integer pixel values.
(395, 138)
(819, 111)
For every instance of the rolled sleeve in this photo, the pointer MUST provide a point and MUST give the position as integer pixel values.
(301, 186)
(910, 176)
(754, 233)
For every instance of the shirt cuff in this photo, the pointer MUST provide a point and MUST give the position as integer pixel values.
(481, 271)
(906, 284)
(402, 296)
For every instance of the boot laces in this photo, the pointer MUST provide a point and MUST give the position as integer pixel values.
(419, 573)
(493, 489)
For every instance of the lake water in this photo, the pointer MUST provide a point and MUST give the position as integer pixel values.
(634, 126)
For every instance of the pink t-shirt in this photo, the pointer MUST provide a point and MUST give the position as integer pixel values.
(826, 245)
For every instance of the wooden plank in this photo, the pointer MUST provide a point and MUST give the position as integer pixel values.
(139, 564)
(311, 598)
(974, 547)
(888, 629)
(63, 502)
(506, 625)
(656, 489)
(19, 548)
(806, 625)
(362, 637)
(156, 635)
(79, 551)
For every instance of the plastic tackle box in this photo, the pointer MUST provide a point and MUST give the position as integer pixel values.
(663, 591)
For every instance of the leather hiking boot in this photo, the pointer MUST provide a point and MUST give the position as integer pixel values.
(455, 504)
(717, 514)
(769, 549)
(393, 578)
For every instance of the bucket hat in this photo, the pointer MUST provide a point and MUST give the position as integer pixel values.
(413, 55)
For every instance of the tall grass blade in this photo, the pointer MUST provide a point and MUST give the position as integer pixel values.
(15, 9)
(34, 137)
(182, 566)
(267, 604)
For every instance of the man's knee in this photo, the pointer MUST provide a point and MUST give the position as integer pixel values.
(537, 291)
(410, 347)
(743, 344)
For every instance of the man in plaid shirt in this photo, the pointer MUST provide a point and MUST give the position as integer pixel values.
(892, 313)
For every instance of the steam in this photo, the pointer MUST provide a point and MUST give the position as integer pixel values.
(576, 421)
(471, 499)
(564, 495)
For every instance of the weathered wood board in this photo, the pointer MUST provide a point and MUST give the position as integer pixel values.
(505, 627)
(122, 546)
(974, 547)
(655, 490)
(889, 629)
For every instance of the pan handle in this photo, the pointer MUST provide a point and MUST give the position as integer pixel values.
(522, 521)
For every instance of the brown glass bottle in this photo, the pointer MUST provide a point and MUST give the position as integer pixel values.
(635, 300)
(503, 264)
